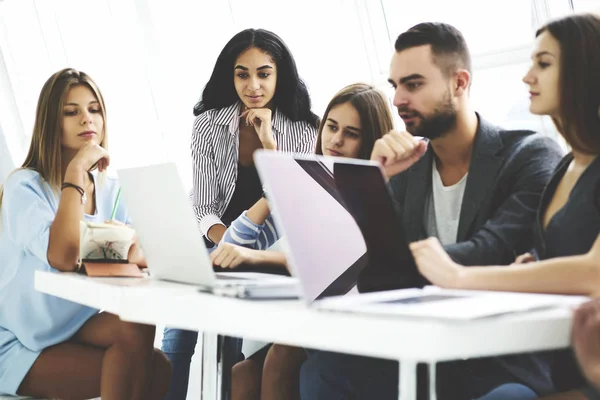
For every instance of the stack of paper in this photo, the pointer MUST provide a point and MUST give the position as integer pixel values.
(436, 303)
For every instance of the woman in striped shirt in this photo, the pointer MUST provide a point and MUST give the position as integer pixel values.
(253, 99)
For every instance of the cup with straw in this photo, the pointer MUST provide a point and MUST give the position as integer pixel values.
(114, 211)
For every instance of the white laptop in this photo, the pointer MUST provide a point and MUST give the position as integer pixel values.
(173, 245)
(323, 244)
(324, 239)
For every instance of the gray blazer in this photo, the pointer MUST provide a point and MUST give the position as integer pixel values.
(508, 172)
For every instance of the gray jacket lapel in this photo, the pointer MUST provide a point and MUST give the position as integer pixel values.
(485, 164)
(418, 185)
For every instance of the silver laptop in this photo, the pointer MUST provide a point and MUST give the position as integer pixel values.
(173, 245)
(337, 215)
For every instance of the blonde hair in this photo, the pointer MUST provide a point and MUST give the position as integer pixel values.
(45, 151)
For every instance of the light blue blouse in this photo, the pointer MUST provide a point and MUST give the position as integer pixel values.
(31, 321)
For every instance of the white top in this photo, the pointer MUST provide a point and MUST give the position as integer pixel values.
(447, 202)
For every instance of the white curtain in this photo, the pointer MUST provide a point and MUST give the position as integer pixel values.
(151, 58)
(6, 161)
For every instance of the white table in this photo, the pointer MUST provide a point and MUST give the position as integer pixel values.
(407, 340)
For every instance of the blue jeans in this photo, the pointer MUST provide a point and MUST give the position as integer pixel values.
(333, 376)
(510, 391)
(178, 345)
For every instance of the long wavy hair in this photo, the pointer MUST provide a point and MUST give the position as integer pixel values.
(291, 94)
(579, 110)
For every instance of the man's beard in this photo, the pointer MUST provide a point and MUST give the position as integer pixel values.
(436, 125)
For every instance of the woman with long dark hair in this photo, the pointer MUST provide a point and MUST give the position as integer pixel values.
(254, 99)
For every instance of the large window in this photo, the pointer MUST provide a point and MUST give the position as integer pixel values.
(114, 57)
(587, 5)
(25, 65)
(40, 37)
(501, 97)
(499, 35)
(488, 26)
(325, 38)
(151, 58)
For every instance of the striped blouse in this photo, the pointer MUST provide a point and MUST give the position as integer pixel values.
(215, 154)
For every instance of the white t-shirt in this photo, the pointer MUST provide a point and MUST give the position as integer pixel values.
(446, 202)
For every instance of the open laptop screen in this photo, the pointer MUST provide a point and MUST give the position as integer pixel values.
(325, 248)
(367, 198)
(340, 223)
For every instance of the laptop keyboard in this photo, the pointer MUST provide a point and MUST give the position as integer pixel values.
(226, 276)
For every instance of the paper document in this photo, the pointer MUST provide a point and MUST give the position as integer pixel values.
(432, 302)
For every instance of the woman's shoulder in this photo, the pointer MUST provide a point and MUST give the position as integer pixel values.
(24, 186)
(206, 115)
(22, 177)
(216, 116)
(203, 120)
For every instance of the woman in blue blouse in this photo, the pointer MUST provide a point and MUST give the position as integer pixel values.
(50, 347)
(253, 99)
